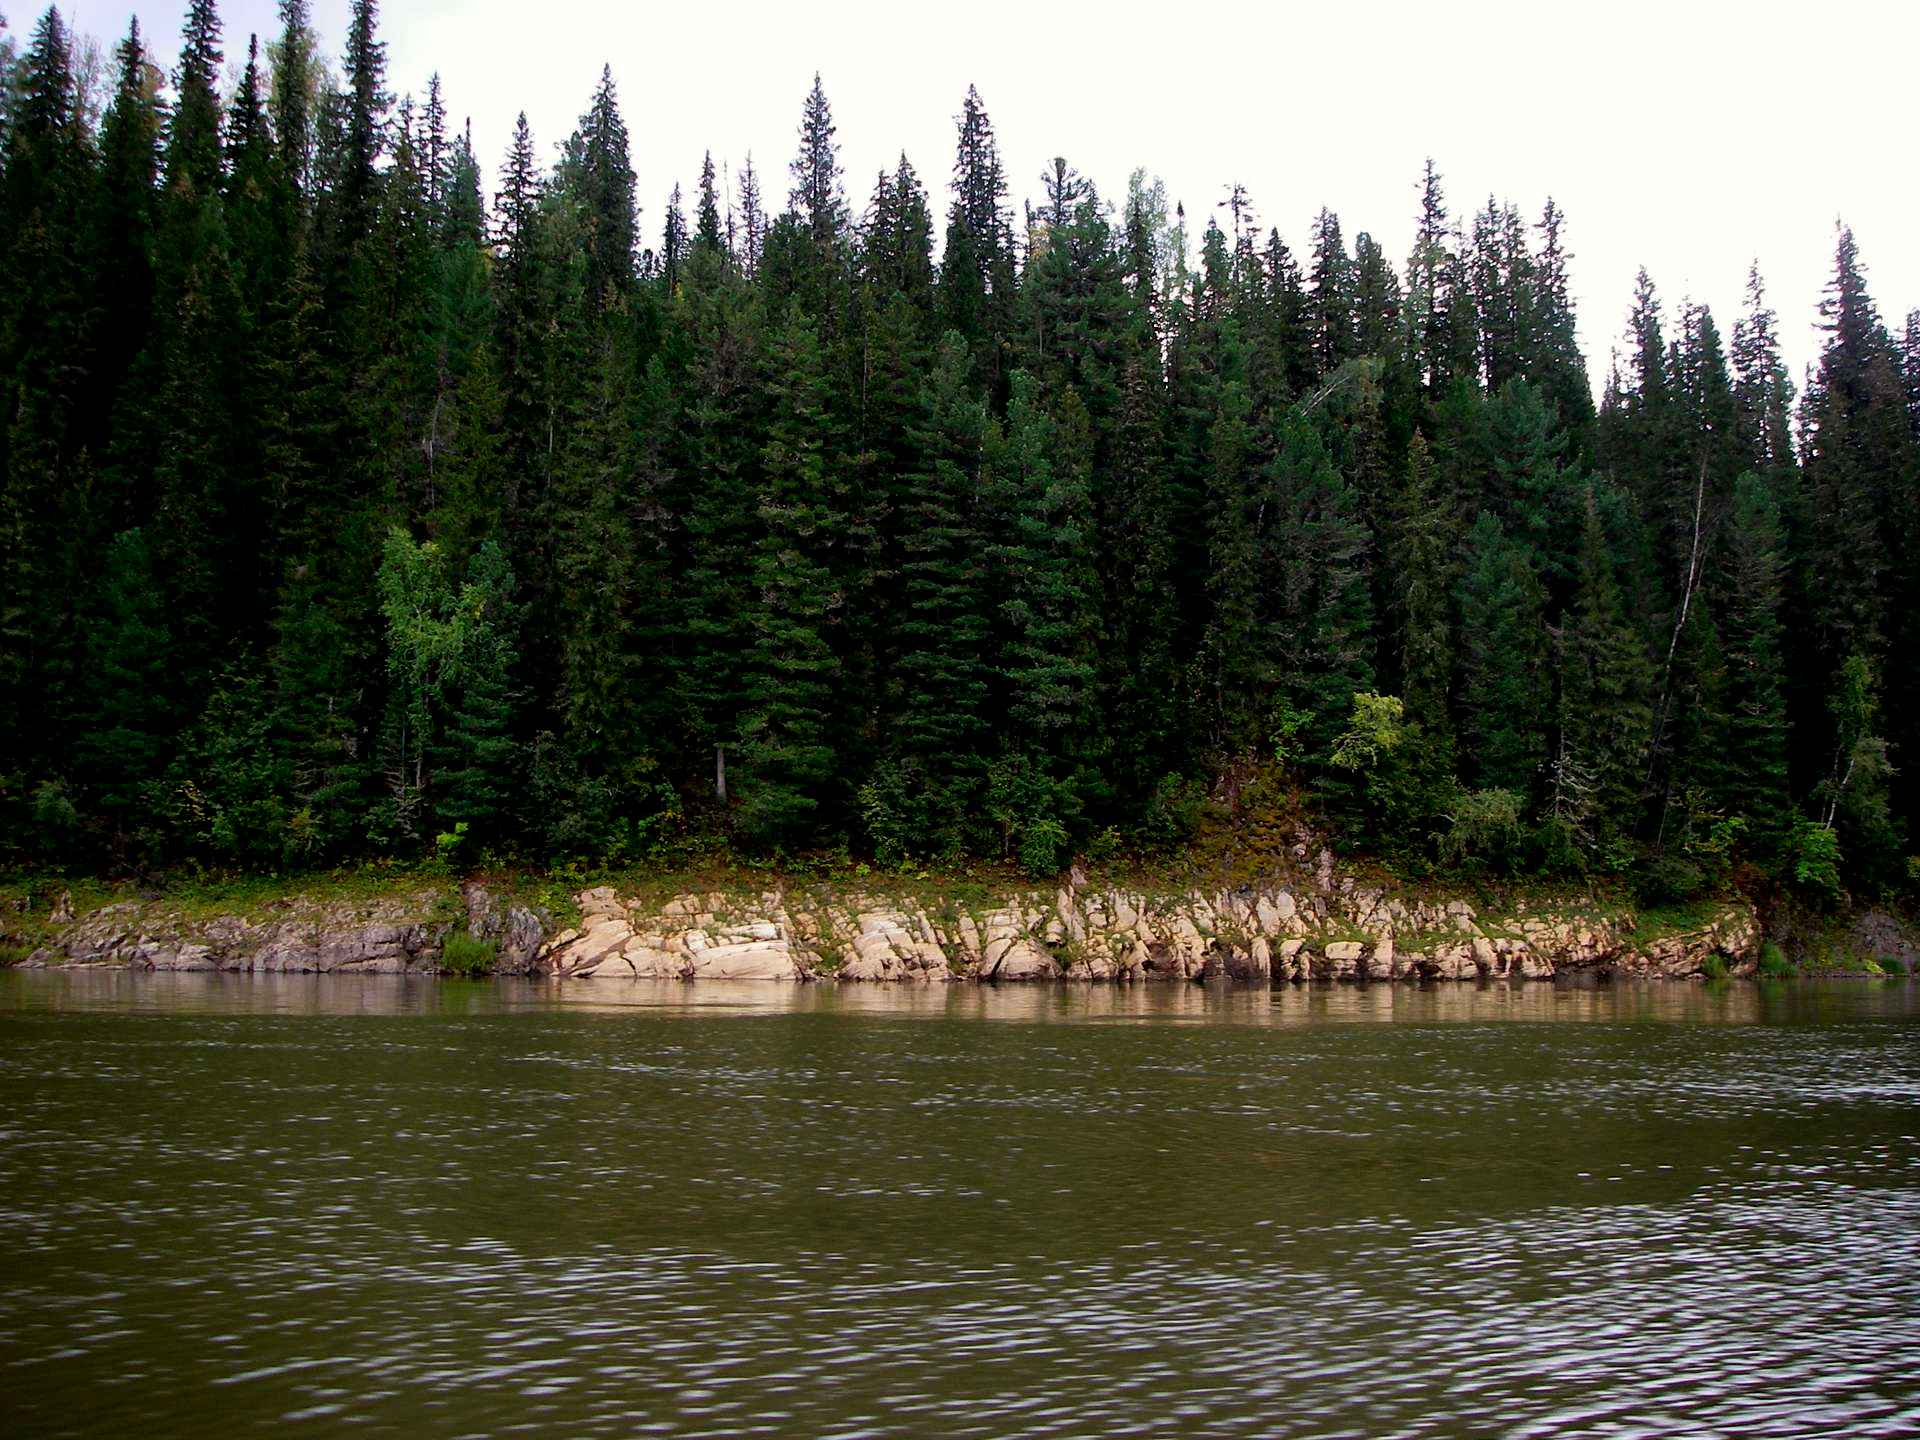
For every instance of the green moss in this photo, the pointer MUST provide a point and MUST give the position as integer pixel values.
(1660, 921)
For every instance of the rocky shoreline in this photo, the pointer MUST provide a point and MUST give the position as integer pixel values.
(1328, 927)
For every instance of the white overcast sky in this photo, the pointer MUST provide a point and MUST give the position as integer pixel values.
(1690, 136)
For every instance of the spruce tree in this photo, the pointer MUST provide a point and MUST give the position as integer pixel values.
(977, 277)
(1603, 718)
(788, 759)
(1505, 670)
(1755, 787)
(1419, 553)
(597, 174)
(476, 758)
(1331, 296)
(918, 800)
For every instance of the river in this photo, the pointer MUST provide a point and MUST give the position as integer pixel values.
(311, 1205)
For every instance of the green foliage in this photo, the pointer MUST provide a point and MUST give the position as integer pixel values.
(1774, 964)
(346, 518)
(1813, 860)
(1032, 812)
(1487, 830)
(1174, 812)
(464, 954)
(902, 814)
(1375, 732)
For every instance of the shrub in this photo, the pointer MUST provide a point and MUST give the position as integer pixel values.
(1813, 859)
(1774, 962)
(1670, 879)
(464, 954)
(1173, 814)
(1043, 847)
(1033, 812)
(1486, 830)
(1713, 968)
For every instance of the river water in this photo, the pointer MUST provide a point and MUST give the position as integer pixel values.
(322, 1205)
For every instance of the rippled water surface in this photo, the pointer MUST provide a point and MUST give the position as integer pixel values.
(303, 1205)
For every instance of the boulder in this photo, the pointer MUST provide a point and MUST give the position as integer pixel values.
(749, 960)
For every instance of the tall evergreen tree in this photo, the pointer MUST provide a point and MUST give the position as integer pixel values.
(597, 174)
(1603, 717)
(1506, 671)
(788, 754)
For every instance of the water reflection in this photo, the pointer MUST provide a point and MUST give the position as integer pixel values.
(1727, 1002)
(233, 1205)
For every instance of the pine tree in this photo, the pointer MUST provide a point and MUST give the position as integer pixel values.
(818, 198)
(293, 120)
(366, 110)
(977, 278)
(1761, 386)
(1756, 759)
(1419, 554)
(1376, 303)
(1318, 607)
(1140, 681)
(707, 234)
(597, 175)
(475, 756)
(1857, 450)
(1602, 718)
(1037, 475)
(44, 478)
(1425, 306)
(753, 219)
(126, 715)
(1331, 296)
(789, 759)
(193, 128)
(1555, 362)
(1237, 667)
(673, 242)
(918, 798)
(120, 249)
(1506, 671)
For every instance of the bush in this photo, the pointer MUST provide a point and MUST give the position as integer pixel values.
(1713, 968)
(464, 954)
(1033, 812)
(907, 815)
(1174, 812)
(1774, 963)
(1670, 879)
(1486, 830)
(1813, 860)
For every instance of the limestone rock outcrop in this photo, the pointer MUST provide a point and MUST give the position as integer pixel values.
(1328, 926)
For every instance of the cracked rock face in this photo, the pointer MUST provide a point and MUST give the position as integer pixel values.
(1350, 933)
(1330, 929)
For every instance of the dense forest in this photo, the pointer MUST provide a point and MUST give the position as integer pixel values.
(360, 501)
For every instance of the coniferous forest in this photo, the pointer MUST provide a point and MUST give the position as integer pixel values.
(360, 498)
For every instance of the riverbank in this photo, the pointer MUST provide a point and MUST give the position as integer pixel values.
(1315, 920)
